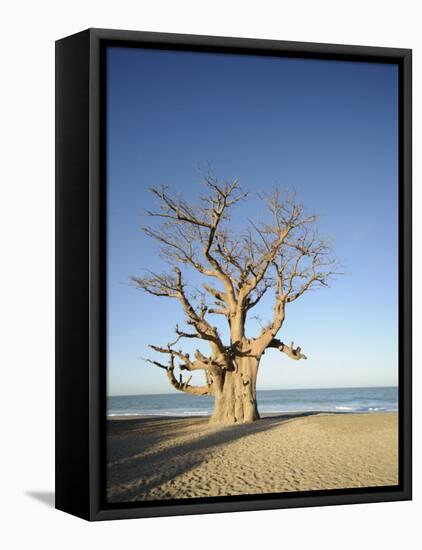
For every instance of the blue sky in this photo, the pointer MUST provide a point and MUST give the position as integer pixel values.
(326, 128)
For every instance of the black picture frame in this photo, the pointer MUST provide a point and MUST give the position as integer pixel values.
(81, 273)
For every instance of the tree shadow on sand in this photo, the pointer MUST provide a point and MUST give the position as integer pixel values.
(135, 469)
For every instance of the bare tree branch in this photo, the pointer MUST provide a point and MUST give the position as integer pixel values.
(180, 384)
(186, 224)
(291, 351)
(173, 287)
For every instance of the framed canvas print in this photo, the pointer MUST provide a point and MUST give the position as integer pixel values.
(233, 274)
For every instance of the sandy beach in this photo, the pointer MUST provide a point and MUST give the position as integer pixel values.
(158, 458)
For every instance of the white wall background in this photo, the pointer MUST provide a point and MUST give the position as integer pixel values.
(27, 267)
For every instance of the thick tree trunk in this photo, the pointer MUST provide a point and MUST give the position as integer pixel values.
(235, 401)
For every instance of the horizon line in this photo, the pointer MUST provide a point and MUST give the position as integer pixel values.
(275, 389)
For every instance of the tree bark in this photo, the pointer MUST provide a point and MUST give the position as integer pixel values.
(235, 400)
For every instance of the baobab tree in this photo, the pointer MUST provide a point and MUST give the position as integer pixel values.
(283, 255)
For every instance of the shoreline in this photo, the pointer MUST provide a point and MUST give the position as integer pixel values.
(269, 414)
(158, 458)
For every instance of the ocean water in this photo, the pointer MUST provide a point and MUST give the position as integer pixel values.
(345, 400)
